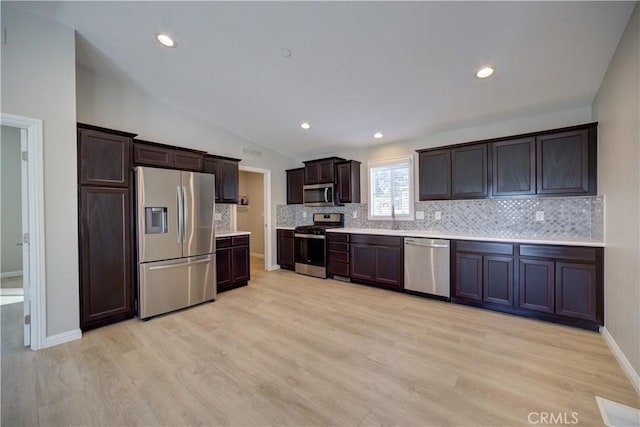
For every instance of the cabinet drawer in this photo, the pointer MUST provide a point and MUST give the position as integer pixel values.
(240, 240)
(559, 252)
(338, 237)
(339, 256)
(223, 242)
(339, 268)
(485, 247)
(337, 246)
(369, 239)
(285, 233)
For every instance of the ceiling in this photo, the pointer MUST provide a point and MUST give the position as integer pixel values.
(406, 69)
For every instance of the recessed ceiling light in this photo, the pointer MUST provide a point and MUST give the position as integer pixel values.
(165, 40)
(305, 125)
(377, 135)
(484, 72)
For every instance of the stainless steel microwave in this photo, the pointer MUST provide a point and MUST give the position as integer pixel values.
(319, 195)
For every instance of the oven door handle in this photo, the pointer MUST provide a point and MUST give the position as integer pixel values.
(309, 236)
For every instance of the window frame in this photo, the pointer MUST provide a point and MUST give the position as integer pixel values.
(371, 164)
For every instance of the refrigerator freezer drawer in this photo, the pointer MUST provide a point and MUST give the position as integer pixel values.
(166, 286)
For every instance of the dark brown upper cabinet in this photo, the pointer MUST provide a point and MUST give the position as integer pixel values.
(320, 171)
(348, 181)
(295, 182)
(104, 157)
(146, 153)
(434, 168)
(469, 172)
(559, 162)
(566, 162)
(514, 167)
(227, 175)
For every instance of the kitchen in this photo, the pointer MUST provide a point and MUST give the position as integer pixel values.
(87, 96)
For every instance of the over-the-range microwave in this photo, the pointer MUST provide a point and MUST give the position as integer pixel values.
(319, 195)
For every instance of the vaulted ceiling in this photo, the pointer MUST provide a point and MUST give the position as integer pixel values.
(406, 69)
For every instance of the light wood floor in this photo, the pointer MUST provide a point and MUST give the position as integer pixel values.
(294, 350)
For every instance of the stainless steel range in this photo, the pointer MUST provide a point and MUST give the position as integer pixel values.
(310, 244)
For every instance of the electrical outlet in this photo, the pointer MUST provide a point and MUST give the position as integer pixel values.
(218, 217)
(438, 215)
(304, 214)
(354, 214)
(539, 215)
(419, 214)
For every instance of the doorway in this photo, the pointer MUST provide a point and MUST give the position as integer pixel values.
(253, 213)
(22, 265)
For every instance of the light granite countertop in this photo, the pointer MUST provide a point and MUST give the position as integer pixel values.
(231, 233)
(437, 235)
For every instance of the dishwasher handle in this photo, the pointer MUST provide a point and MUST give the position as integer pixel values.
(430, 245)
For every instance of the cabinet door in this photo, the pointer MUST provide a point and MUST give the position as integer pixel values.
(514, 167)
(240, 264)
(311, 173)
(498, 279)
(105, 159)
(186, 160)
(106, 290)
(213, 166)
(295, 181)
(286, 250)
(224, 275)
(150, 155)
(325, 171)
(435, 175)
(363, 262)
(348, 179)
(469, 276)
(469, 172)
(563, 163)
(537, 285)
(389, 268)
(576, 290)
(228, 182)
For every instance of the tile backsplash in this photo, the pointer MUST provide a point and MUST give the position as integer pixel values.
(564, 217)
(224, 223)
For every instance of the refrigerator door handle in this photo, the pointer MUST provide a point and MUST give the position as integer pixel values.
(185, 214)
(181, 264)
(180, 212)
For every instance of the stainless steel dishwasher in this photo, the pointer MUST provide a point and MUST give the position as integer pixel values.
(426, 266)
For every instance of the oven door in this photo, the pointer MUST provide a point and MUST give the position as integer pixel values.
(310, 254)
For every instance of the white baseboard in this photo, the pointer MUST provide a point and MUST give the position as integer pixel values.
(62, 338)
(274, 267)
(10, 274)
(257, 255)
(622, 359)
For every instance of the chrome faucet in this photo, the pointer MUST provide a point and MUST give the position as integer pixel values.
(394, 225)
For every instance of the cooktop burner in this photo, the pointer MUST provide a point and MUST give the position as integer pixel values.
(322, 222)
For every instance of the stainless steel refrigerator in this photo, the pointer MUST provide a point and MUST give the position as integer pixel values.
(176, 239)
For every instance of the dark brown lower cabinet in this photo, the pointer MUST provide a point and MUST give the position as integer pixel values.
(106, 294)
(377, 260)
(562, 284)
(232, 262)
(338, 254)
(286, 254)
(537, 285)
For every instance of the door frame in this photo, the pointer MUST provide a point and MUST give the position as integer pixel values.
(266, 182)
(36, 292)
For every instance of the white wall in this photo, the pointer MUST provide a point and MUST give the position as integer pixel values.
(251, 218)
(550, 120)
(38, 81)
(11, 200)
(617, 110)
(105, 102)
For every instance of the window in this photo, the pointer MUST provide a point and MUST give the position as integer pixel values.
(391, 185)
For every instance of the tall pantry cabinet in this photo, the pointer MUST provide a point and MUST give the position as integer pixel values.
(105, 226)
